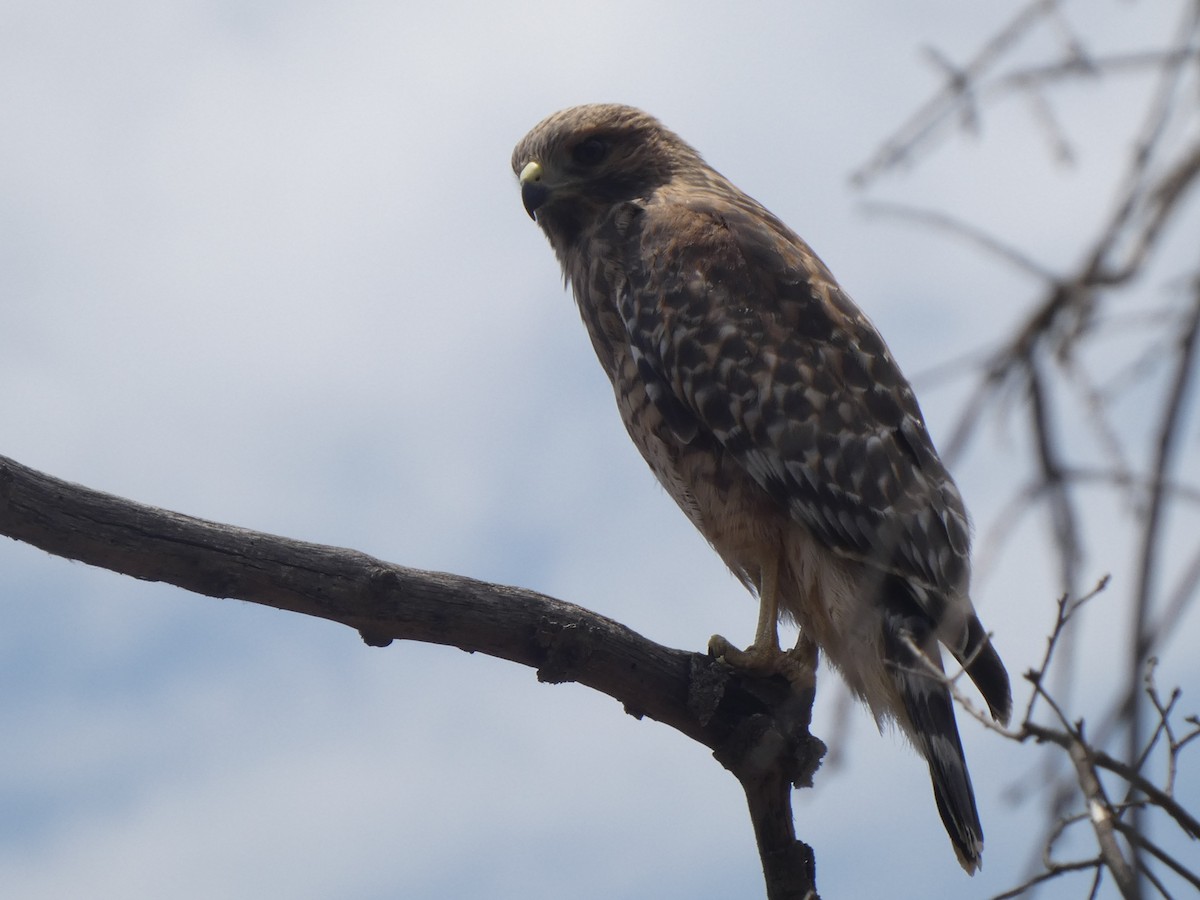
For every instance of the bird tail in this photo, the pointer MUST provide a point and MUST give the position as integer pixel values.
(982, 663)
(930, 713)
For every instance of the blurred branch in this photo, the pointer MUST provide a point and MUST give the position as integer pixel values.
(1143, 638)
(757, 727)
(1106, 818)
(958, 228)
(956, 96)
(1068, 416)
(1101, 813)
(969, 88)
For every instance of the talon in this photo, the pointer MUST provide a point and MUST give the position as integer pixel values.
(800, 669)
(753, 658)
(796, 666)
(719, 647)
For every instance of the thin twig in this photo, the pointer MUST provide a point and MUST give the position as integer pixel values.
(933, 115)
(956, 227)
(1052, 872)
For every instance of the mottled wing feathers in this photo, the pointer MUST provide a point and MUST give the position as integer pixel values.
(770, 409)
(740, 331)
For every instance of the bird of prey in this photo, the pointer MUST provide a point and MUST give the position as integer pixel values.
(773, 413)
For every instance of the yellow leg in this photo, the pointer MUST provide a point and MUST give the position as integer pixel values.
(766, 635)
(764, 656)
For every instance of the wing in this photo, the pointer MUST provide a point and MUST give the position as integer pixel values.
(741, 332)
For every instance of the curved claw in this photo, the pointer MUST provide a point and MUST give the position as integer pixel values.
(797, 666)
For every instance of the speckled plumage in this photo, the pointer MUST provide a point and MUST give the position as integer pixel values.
(773, 413)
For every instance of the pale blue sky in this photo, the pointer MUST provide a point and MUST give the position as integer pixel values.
(265, 263)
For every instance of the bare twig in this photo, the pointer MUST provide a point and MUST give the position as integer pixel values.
(928, 121)
(1105, 817)
(964, 230)
(1052, 872)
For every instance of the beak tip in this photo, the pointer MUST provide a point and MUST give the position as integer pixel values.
(533, 195)
(533, 192)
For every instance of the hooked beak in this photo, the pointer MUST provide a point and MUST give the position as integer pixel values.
(533, 192)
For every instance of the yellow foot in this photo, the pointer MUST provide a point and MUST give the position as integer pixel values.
(794, 665)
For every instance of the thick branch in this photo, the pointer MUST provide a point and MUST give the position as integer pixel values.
(756, 727)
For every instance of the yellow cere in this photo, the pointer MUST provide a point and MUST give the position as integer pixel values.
(532, 172)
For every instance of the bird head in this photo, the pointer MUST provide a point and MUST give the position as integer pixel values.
(576, 164)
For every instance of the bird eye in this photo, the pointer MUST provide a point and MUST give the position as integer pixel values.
(589, 152)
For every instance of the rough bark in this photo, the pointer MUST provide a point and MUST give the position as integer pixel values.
(756, 727)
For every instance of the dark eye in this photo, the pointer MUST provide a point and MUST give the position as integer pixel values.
(589, 152)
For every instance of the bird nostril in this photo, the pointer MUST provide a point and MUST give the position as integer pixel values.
(531, 173)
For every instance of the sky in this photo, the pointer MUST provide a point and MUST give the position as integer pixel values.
(265, 263)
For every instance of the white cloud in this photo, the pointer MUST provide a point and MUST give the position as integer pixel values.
(265, 263)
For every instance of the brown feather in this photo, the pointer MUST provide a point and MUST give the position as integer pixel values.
(773, 413)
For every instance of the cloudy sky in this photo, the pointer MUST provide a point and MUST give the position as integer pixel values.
(265, 263)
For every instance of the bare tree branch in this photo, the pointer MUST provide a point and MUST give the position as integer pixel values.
(1049, 354)
(1052, 872)
(954, 97)
(1186, 821)
(1104, 816)
(756, 727)
(1142, 639)
(1101, 815)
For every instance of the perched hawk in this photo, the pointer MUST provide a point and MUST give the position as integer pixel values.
(772, 412)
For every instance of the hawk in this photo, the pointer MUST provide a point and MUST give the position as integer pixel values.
(773, 413)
